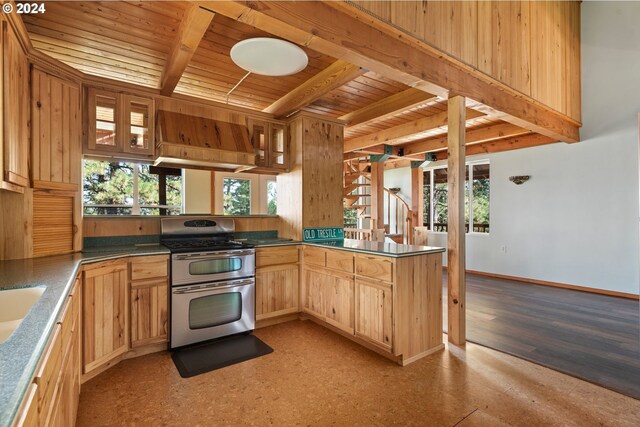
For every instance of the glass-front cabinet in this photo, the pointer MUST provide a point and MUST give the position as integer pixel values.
(138, 115)
(119, 123)
(270, 143)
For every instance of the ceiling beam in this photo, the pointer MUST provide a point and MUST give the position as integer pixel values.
(388, 107)
(387, 136)
(486, 133)
(340, 30)
(335, 75)
(192, 29)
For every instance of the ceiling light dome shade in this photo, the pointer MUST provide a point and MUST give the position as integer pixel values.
(269, 57)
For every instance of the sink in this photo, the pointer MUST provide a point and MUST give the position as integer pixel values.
(14, 306)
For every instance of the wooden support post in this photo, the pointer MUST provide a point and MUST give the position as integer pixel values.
(456, 231)
(417, 199)
(377, 195)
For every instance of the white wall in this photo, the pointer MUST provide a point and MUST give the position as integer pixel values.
(576, 220)
(196, 197)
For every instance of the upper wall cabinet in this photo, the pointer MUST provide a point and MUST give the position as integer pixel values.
(270, 143)
(119, 125)
(14, 135)
(56, 124)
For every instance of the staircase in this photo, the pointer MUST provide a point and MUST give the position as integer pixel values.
(357, 196)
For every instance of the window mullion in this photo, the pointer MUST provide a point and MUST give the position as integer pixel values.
(136, 202)
(432, 202)
(470, 190)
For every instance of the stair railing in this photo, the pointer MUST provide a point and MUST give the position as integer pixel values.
(402, 213)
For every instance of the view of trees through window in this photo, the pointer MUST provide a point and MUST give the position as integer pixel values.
(124, 188)
(272, 206)
(236, 196)
(476, 199)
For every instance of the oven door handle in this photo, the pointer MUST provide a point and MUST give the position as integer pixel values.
(213, 288)
(217, 255)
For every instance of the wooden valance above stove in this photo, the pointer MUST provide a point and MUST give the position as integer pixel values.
(198, 142)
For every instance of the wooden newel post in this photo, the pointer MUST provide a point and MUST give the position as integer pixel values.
(456, 174)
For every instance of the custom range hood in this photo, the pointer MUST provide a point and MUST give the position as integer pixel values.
(201, 143)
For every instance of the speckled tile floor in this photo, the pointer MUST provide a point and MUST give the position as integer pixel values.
(317, 378)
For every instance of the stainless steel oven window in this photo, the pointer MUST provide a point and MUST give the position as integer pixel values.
(215, 266)
(215, 310)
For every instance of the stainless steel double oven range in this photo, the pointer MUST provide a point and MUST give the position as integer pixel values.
(212, 280)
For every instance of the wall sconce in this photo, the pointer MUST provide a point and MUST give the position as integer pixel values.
(519, 179)
(395, 190)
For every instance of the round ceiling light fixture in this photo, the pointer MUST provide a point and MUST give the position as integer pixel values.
(269, 57)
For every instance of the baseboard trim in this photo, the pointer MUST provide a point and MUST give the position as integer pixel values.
(554, 284)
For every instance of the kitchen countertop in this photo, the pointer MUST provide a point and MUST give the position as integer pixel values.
(20, 353)
(393, 250)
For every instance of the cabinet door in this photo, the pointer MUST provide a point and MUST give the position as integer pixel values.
(104, 119)
(56, 141)
(105, 313)
(138, 126)
(15, 123)
(149, 314)
(278, 146)
(374, 312)
(276, 291)
(55, 223)
(259, 131)
(338, 305)
(313, 300)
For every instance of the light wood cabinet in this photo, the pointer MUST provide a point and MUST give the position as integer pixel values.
(374, 312)
(120, 124)
(375, 267)
(315, 284)
(56, 222)
(56, 132)
(105, 314)
(338, 302)
(277, 290)
(52, 399)
(14, 129)
(270, 143)
(277, 281)
(149, 300)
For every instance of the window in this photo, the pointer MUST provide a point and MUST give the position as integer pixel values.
(476, 198)
(125, 188)
(236, 195)
(272, 198)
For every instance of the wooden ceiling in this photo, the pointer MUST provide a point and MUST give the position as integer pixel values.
(133, 42)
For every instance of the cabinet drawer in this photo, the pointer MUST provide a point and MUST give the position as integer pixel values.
(276, 256)
(340, 260)
(48, 373)
(149, 267)
(314, 256)
(375, 267)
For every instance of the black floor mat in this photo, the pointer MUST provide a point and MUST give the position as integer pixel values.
(212, 355)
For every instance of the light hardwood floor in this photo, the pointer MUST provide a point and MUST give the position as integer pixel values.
(317, 378)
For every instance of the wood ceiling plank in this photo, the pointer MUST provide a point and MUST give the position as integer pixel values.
(477, 135)
(336, 75)
(194, 25)
(388, 107)
(390, 135)
(60, 31)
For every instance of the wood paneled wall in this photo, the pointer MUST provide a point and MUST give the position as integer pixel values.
(531, 46)
(310, 195)
(127, 226)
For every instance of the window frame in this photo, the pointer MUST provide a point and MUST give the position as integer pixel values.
(469, 193)
(136, 206)
(258, 190)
